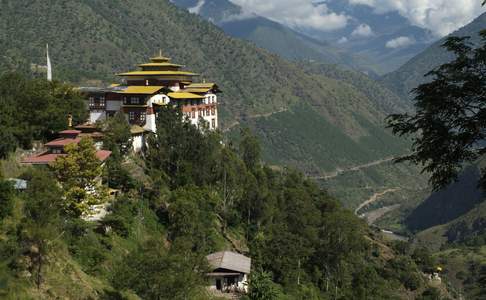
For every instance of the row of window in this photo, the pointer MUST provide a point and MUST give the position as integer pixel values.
(140, 116)
(201, 112)
(132, 100)
(100, 103)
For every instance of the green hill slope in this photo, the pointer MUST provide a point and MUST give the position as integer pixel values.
(321, 112)
(411, 75)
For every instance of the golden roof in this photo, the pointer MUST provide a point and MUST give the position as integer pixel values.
(159, 58)
(157, 73)
(201, 85)
(161, 64)
(146, 90)
(184, 95)
(135, 129)
(197, 90)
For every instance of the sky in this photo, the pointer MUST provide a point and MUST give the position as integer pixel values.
(439, 16)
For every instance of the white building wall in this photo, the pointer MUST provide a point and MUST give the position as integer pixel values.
(137, 143)
(112, 105)
(97, 115)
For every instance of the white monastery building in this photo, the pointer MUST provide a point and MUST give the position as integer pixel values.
(144, 91)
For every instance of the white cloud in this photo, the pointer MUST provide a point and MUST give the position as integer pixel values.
(440, 16)
(298, 14)
(196, 9)
(362, 30)
(400, 42)
(343, 40)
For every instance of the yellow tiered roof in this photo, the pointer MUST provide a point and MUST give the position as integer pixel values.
(146, 90)
(184, 95)
(159, 58)
(158, 73)
(162, 64)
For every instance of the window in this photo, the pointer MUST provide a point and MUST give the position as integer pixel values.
(193, 113)
(131, 116)
(213, 123)
(91, 102)
(207, 112)
(56, 151)
(135, 100)
(213, 111)
(102, 101)
(143, 117)
(125, 100)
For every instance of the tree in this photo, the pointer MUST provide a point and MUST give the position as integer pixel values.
(250, 150)
(262, 287)
(6, 198)
(449, 127)
(185, 154)
(44, 110)
(40, 226)
(118, 135)
(154, 272)
(79, 172)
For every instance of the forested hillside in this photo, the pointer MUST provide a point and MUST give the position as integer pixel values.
(173, 209)
(335, 117)
(411, 75)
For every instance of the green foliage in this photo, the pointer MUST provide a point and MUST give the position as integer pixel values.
(78, 172)
(40, 226)
(447, 125)
(184, 153)
(117, 134)
(250, 150)
(262, 287)
(6, 198)
(155, 273)
(192, 218)
(44, 110)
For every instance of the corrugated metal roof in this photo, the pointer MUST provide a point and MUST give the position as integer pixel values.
(230, 261)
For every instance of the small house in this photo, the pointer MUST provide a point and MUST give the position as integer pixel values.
(229, 272)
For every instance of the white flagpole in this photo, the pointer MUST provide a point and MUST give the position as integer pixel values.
(49, 67)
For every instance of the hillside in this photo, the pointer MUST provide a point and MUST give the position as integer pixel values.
(316, 122)
(411, 75)
(164, 221)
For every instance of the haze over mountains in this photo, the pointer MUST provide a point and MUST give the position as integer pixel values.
(411, 74)
(369, 41)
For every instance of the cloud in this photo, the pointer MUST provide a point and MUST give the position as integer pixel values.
(400, 42)
(298, 14)
(362, 30)
(196, 9)
(343, 40)
(440, 16)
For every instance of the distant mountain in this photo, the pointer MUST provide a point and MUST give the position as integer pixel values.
(387, 40)
(274, 36)
(315, 121)
(411, 75)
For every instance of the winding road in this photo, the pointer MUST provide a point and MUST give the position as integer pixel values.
(339, 171)
(375, 197)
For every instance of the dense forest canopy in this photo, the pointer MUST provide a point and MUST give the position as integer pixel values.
(181, 207)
